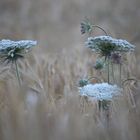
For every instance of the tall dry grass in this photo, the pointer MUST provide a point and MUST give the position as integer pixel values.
(48, 106)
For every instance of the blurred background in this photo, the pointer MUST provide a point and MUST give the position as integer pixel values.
(47, 106)
(55, 24)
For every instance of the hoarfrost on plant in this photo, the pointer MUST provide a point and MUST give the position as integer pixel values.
(22, 44)
(12, 50)
(101, 91)
(106, 44)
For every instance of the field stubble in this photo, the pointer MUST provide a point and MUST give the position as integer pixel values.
(48, 105)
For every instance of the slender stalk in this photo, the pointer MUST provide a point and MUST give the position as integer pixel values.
(100, 29)
(17, 73)
(100, 105)
(108, 79)
(120, 74)
(113, 76)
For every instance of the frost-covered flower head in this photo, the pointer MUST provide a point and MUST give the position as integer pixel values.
(12, 50)
(101, 91)
(105, 45)
(86, 26)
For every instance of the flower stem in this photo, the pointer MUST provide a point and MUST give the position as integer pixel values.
(100, 105)
(113, 76)
(17, 73)
(120, 73)
(108, 71)
(100, 29)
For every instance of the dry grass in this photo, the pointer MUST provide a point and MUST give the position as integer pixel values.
(48, 105)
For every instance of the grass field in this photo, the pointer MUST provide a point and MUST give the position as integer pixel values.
(47, 106)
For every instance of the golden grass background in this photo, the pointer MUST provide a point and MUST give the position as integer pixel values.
(48, 106)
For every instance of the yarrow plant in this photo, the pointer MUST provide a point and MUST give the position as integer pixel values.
(11, 51)
(109, 51)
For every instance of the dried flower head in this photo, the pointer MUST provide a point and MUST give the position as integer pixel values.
(105, 45)
(12, 50)
(99, 64)
(83, 82)
(116, 57)
(86, 27)
(101, 91)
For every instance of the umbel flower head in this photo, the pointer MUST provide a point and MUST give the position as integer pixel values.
(105, 45)
(99, 64)
(12, 50)
(100, 92)
(85, 27)
(83, 82)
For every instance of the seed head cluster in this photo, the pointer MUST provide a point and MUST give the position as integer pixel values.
(100, 91)
(12, 50)
(105, 45)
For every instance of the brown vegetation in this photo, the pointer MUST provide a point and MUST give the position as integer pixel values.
(48, 107)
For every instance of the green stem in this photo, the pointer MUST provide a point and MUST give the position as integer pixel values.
(100, 29)
(120, 74)
(108, 71)
(17, 73)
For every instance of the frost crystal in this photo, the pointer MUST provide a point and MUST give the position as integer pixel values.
(23, 44)
(106, 44)
(102, 91)
(12, 50)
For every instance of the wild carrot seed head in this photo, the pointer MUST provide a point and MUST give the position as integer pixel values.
(105, 45)
(100, 91)
(12, 50)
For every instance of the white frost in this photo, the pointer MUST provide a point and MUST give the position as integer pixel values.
(22, 44)
(101, 91)
(97, 42)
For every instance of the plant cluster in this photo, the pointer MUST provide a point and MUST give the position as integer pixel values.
(11, 51)
(110, 51)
